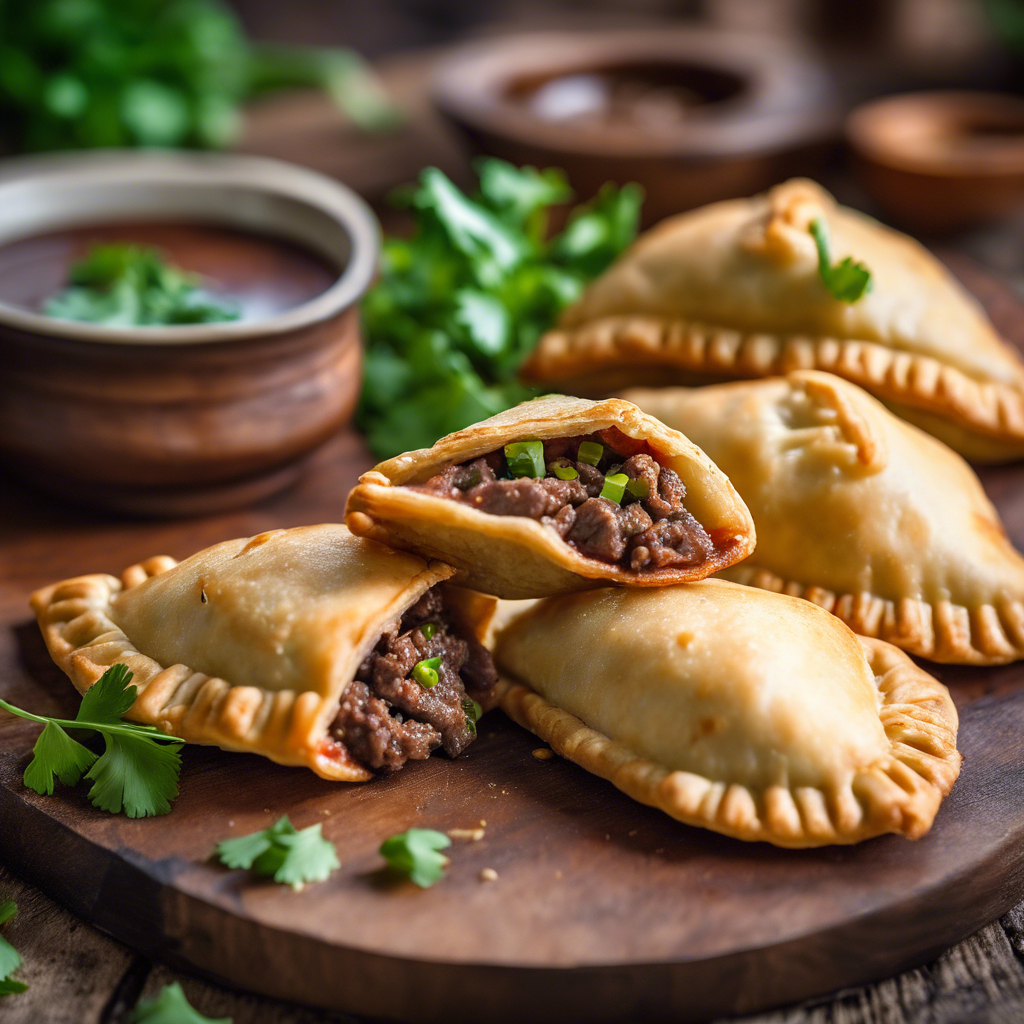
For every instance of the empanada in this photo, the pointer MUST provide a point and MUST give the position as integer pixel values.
(750, 713)
(558, 494)
(303, 645)
(734, 290)
(860, 512)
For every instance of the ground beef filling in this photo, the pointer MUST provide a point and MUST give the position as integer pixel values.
(386, 717)
(638, 533)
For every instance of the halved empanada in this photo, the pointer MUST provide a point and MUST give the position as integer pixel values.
(558, 494)
(859, 512)
(750, 713)
(295, 644)
(734, 290)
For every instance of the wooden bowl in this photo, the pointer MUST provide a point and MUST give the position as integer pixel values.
(937, 161)
(184, 419)
(693, 115)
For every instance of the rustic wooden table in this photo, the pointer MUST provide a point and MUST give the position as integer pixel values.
(77, 975)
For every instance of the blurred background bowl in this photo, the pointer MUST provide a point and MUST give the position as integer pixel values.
(943, 160)
(184, 419)
(693, 115)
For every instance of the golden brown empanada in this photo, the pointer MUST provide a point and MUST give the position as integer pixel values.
(733, 290)
(859, 512)
(747, 712)
(290, 644)
(598, 493)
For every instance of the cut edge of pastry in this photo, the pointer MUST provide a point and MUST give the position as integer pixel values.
(899, 794)
(628, 344)
(380, 508)
(285, 726)
(988, 634)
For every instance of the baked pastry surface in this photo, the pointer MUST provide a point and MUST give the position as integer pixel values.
(750, 713)
(514, 556)
(248, 645)
(733, 290)
(861, 513)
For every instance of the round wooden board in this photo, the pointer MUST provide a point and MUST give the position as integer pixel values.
(602, 910)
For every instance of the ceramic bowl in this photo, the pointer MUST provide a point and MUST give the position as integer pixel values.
(693, 115)
(182, 419)
(938, 161)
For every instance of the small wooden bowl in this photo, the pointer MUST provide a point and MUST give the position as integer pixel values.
(185, 419)
(693, 115)
(937, 161)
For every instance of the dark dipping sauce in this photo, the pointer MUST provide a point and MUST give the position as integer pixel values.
(262, 275)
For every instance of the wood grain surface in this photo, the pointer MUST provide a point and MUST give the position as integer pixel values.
(602, 908)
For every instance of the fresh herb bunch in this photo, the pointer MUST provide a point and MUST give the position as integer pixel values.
(85, 73)
(846, 281)
(138, 771)
(124, 285)
(284, 853)
(10, 958)
(466, 298)
(171, 1007)
(416, 854)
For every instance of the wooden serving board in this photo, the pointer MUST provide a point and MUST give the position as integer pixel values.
(602, 910)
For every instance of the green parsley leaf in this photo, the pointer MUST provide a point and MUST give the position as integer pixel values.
(171, 1007)
(10, 958)
(846, 281)
(123, 285)
(461, 303)
(138, 771)
(415, 853)
(282, 852)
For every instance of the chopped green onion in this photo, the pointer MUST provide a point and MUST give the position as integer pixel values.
(590, 452)
(425, 672)
(638, 488)
(614, 487)
(525, 458)
(564, 472)
(473, 713)
(428, 629)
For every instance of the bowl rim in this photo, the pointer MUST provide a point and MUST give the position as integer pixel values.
(464, 87)
(201, 171)
(862, 132)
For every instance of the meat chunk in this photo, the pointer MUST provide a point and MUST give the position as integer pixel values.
(526, 496)
(671, 542)
(596, 531)
(665, 491)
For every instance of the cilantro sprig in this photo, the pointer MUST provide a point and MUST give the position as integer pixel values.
(415, 853)
(171, 1007)
(846, 281)
(284, 853)
(136, 774)
(125, 285)
(10, 958)
(462, 302)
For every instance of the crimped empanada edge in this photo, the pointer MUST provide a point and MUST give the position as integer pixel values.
(993, 409)
(899, 794)
(941, 631)
(284, 726)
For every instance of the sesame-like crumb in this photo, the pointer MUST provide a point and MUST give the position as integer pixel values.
(472, 834)
(488, 875)
(483, 824)
(543, 754)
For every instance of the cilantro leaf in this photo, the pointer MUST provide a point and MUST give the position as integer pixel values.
(56, 754)
(171, 1007)
(123, 285)
(10, 958)
(284, 853)
(846, 281)
(138, 771)
(135, 774)
(462, 302)
(415, 853)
